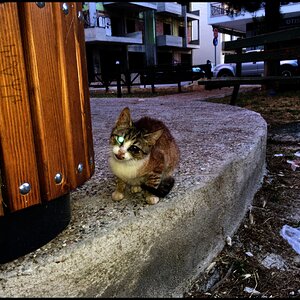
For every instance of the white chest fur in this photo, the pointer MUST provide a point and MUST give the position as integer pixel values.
(128, 171)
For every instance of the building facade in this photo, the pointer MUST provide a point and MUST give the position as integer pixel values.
(207, 50)
(232, 24)
(136, 35)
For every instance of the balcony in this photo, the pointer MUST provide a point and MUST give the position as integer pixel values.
(217, 10)
(193, 15)
(169, 41)
(132, 6)
(194, 44)
(169, 8)
(98, 34)
(220, 16)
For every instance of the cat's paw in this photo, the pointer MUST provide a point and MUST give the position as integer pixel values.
(117, 196)
(135, 189)
(152, 199)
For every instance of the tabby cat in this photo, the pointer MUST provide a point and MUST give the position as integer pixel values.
(144, 156)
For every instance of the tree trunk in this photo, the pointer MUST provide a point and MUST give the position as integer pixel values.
(272, 23)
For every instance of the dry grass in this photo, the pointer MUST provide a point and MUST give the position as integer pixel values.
(284, 107)
(238, 271)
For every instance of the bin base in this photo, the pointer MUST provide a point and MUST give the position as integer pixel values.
(26, 230)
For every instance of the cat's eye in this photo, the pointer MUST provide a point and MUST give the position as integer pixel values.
(120, 139)
(134, 149)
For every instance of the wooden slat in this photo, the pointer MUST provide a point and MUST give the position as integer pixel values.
(230, 81)
(263, 39)
(1, 207)
(84, 92)
(39, 32)
(16, 136)
(276, 54)
(1, 198)
(74, 97)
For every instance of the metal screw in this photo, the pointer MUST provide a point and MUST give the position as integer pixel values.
(80, 168)
(40, 4)
(65, 8)
(91, 160)
(24, 188)
(80, 16)
(58, 178)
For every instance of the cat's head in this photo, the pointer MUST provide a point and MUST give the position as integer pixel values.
(129, 142)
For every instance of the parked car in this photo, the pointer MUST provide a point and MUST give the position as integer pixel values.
(170, 74)
(287, 68)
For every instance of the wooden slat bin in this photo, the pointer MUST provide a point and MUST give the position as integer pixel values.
(46, 143)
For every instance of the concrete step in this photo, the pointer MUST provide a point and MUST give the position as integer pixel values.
(131, 249)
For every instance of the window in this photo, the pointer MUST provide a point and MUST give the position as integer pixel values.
(164, 58)
(181, 31)
(117, 26)
(130, 24)
(102, 22)
(167, 29)
(186, 59)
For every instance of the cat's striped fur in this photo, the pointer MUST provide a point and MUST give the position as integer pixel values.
(144, 155)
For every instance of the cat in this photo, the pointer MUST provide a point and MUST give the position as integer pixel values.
(144, 155)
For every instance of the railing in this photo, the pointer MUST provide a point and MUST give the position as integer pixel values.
(217, 10)
(168, 74)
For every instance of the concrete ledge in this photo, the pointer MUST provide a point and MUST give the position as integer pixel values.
(131, 249)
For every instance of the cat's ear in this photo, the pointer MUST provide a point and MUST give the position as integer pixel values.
(124, 120)
(152, 137)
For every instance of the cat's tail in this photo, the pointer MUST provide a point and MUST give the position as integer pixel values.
(163, 189)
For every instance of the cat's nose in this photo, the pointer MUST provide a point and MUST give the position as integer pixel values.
(120, 155)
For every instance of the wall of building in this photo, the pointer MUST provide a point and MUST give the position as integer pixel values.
(132, 53)
(207, 49)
